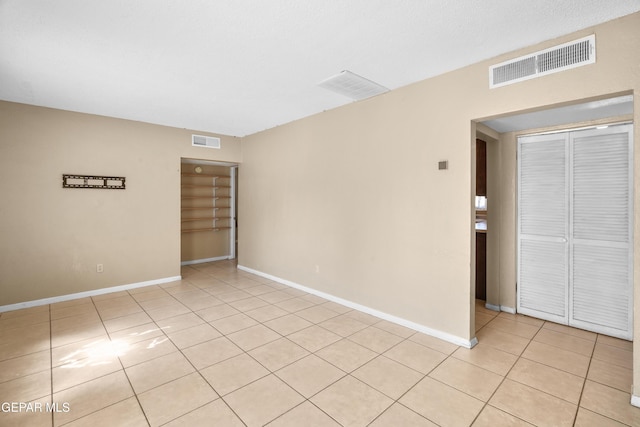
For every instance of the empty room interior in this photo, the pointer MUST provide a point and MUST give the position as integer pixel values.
(319, 213)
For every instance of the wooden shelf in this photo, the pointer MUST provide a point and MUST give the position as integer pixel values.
(203, 189)
(205, 197)
(204, 208)
(206, 218)
(206, 186)
(194, 230)
(206, 175)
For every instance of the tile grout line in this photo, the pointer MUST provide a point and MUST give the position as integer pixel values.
(160, 328)
(350, 373)
(183, 355)
(313, 323)
(485, 404)
(221, 361)
(505, 376)
(122, 367)
(540, 328)
(252, 358)
(310, 353)
(584, 383)
(397, 401)
(154, 322)
(265, 367)
(418, 382)
(461, 391)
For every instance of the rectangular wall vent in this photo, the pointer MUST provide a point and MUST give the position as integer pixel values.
(205, 141)
(555, 59)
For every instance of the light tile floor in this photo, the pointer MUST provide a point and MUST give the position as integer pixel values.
(226, 348)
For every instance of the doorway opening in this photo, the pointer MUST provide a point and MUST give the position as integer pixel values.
(481, 219)
(487, 218)
(208, 227)
(502, 253)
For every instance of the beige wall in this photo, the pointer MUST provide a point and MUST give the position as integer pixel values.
(350, 202)
(508, 221)
(52, 238)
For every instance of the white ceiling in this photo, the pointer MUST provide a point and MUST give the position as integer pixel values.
(237, 67)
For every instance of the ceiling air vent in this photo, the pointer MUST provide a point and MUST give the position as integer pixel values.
(558, 58)
(205, 141)
(352, 85)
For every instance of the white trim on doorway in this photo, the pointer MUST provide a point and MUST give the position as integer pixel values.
(233, 173)
(232, 234)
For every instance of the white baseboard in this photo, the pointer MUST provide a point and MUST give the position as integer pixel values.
(635, 400)
(201, 261)
(510, 310)
(491, 307)
(500, 308)
(85, 294)
(504, 308)
(385, 316)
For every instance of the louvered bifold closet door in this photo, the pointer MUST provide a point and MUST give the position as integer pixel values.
(601, 238)
(543, 226)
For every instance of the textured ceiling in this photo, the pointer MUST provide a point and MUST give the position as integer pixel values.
(237, 67)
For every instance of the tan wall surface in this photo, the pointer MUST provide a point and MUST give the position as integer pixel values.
(356, 191)
(508, 220)
(52, 238)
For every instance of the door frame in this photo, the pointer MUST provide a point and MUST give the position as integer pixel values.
(233, 167)
(233, 212)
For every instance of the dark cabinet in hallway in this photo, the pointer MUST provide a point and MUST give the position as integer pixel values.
(481, 265)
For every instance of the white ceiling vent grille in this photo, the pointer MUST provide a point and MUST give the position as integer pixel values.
(205, 141)
(352, 85)
(558, 58)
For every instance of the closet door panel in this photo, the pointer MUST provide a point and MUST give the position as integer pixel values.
(542, 226)
(601, 267)
(542, 187)
(543, 279)
(601, 187)
(601, 297)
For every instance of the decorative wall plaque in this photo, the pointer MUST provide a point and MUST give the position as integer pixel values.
(93, 181)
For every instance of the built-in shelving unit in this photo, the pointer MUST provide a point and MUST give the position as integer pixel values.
(205, 202)
(207, 215)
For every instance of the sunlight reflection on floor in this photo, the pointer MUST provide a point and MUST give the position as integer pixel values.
(103, 352)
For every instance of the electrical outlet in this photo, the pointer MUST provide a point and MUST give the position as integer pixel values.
(100, 268)
(317, 269)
